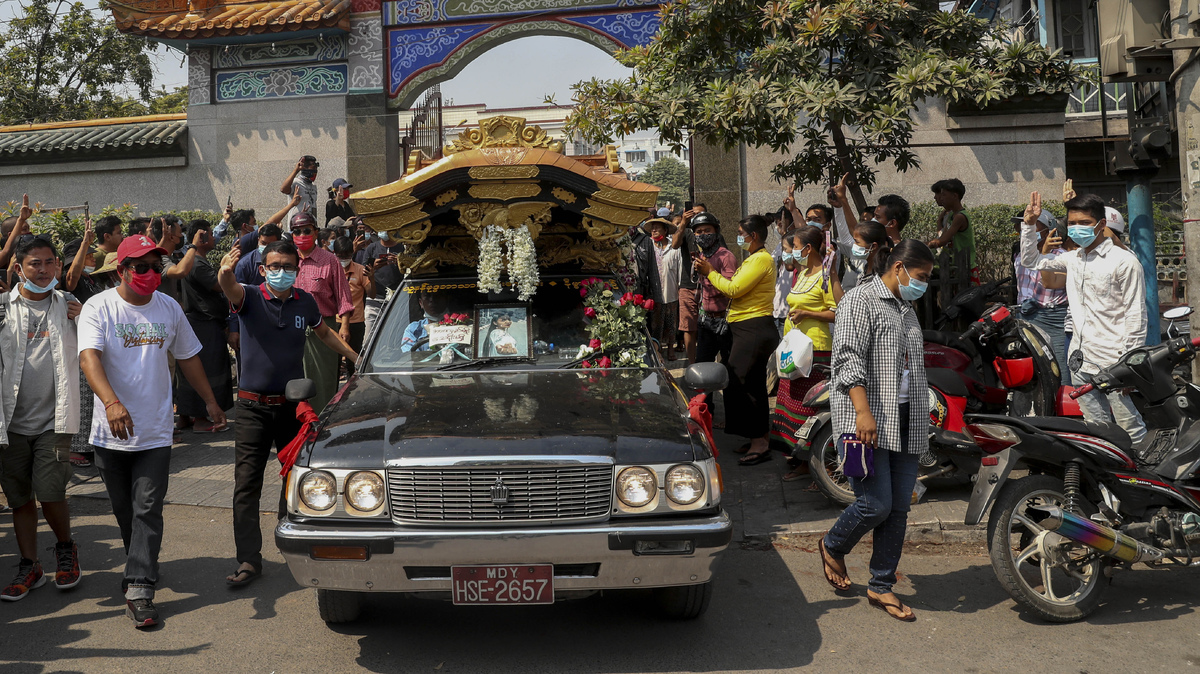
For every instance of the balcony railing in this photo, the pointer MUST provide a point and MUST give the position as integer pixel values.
(1085, 100)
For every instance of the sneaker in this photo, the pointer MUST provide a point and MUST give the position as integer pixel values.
(142, 612)
(67, 556)
(29, 576)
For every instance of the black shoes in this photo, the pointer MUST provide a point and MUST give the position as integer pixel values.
(142, 612)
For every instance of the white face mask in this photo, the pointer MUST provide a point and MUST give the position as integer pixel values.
(345, 263)
(88, 270)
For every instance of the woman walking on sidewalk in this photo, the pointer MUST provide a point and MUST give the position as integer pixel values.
(878, 359)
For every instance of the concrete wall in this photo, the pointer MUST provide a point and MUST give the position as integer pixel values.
(1000, 159)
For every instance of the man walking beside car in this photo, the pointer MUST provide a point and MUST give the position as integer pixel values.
(275, 318)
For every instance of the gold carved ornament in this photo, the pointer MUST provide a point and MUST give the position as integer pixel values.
(531, 214)
(505, 191)
(563, 195)
(503, 131)
(563, 249)
(600, 230)
(456, 251)
(503, 172)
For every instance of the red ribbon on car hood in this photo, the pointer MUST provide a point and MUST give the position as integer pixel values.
(698, 411)
(308, 419)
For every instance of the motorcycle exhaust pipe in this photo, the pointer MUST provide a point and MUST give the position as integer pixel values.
(1094, 535)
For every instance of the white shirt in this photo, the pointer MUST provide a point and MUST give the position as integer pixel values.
(1106, 295)
(133, 342)
(783, 282)
(844, 242)
(308, 201)
(669, 261)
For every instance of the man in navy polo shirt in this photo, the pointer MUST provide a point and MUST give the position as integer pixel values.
(274, 317)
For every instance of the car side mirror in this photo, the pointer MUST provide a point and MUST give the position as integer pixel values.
(299, 389)
(706, 376)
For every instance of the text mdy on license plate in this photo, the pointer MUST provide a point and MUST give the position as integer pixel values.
(503, 584)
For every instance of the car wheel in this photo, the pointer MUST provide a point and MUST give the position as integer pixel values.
(686, 602)
(338, 606)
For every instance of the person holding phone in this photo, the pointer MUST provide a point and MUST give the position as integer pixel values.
(879, 405)
(1045, 307)
(338, 205)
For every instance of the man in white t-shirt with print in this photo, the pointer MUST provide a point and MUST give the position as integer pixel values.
(125, 334)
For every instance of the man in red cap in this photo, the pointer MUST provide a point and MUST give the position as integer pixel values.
(125, 334)
(322, 277)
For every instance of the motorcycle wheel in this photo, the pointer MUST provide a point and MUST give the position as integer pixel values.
(825, 471)
(1041, 582)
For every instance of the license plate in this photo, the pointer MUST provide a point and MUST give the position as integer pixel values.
(503, 584)
(802, 434)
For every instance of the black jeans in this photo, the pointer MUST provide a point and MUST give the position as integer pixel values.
(708, 345)
(258, 427)
(137, 484)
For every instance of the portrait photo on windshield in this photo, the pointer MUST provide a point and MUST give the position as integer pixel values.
(503, 331)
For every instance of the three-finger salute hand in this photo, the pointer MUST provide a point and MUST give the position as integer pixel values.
(1034, 210)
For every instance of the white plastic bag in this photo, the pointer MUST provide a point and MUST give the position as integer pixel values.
(794, 355)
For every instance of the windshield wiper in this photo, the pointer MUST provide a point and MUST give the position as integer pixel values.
(491, 360)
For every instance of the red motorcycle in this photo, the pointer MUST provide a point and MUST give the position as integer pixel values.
(1000, 364)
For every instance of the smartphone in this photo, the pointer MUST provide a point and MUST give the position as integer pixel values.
(687, 206)
(229, 201)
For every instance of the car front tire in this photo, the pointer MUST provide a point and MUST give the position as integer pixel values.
(338, 606)
(686, 602)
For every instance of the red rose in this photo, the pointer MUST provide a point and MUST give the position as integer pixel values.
(605, 362)
(586, 364)
(589, 312)
(627, 297)
(638, 299)
(594, 344)
(583, 292)
(649, 305)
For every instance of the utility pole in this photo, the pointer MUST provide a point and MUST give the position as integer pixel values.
(1186, 81)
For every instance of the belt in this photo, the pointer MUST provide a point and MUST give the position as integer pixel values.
(260, 398)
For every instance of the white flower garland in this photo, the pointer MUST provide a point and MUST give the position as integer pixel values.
(491, 259)
(522, 262)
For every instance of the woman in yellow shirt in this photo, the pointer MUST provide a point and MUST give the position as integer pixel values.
(752, 293)
(810, 309)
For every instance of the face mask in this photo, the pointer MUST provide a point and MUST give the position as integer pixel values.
(303, 242)
(345, 263)
(818, 225)
(802, 261)
(1082, 235)
(431, 318)
(34, 288)
(706, 240)
(657, 237)
(280, 281)
(788, 257)
(309, 175)
(89, 270)
(743, 243)
(261, 249)
(914, 289)
(145, 284)
(858, 252)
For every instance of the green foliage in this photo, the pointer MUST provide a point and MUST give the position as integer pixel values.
(672, 178)
(618, 323)
(65, 61)
(758, 72)
(164, 102)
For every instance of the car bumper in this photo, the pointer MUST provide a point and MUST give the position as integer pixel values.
(587, 557)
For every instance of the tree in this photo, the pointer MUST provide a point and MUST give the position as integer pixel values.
(672, 178)
(64, 61)
(837, 79)
(165, 102)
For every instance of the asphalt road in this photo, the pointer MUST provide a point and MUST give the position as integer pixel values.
(772, 611)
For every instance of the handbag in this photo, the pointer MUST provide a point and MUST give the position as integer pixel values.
(857, 457)
(715, 324)
(794, 355)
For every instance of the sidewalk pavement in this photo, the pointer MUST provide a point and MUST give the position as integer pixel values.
(762, 505)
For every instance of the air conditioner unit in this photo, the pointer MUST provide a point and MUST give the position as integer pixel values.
(1129, 30)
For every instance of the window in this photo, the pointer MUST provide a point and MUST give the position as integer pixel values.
(659, 154)
(1076, 32)
(635, 156)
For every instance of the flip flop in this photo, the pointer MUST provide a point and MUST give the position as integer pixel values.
(251, 575)
(743, 449)
(79, 461)
(826, 566)
(755, 459)
(211, 428)
(911, 617)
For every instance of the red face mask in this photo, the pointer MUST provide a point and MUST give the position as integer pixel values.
(303, 241)
(657, 237)
(144, 284)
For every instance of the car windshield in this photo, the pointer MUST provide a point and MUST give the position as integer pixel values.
(449, 324)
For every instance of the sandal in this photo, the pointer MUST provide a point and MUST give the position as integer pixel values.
(250, 575)
(755, 459)
(743, 449)
(80, 461)
(827, 565)
(887, 608)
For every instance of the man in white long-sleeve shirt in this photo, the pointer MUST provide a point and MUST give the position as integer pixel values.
(1106, 293)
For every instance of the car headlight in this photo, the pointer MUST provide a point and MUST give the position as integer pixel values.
(318, 490)
(364, 491)
(685, 484)
(636, 486)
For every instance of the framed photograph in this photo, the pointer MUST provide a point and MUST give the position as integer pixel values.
(503, 331)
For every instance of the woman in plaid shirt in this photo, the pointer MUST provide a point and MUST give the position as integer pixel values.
(879, 395)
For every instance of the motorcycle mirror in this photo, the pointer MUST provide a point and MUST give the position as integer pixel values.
(1178, 313)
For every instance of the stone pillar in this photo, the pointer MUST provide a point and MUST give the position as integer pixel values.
(372, 141)
(719, 182)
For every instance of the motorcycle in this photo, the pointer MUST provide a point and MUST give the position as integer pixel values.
(999, 364)
(1093, 500)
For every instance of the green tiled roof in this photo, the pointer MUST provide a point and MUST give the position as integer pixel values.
(152, 138)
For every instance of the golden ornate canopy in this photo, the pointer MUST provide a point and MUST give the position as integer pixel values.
(507, 174)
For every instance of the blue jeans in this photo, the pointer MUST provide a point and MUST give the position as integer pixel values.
(1051, 320)
(882, 505)
(1114, 407)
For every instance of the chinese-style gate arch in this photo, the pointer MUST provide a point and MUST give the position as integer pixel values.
(430, 41)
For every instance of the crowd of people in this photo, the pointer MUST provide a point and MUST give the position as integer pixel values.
(116, 344)
(113, 346)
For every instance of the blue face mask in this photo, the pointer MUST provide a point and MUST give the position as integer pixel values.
(743, 243)
(914, 290)
(261, 249)
(818, 225)
(788, 257)
(37, 289)
(858, 252)
(1083, 235)
(280, 280)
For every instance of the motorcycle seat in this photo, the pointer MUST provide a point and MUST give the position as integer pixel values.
(952, 340)
(947, 381)
(1105, 430)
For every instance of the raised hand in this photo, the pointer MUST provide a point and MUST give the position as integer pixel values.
(89, 235)
(839, 190)
(1034, 210)
(230, 260)
(296, 195)
(26, 211)
(360, 242)
(789, 202)
(1068, 190)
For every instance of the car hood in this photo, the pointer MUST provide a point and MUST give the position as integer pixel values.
(632, 416)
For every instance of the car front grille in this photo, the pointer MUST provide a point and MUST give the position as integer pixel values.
(500, 493)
